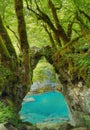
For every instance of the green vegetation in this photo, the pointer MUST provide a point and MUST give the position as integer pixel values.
(67, 24)
(5, 75)
(44, 77)
(44, 71)
(4, 72)
(77, 64)
(86, 120)
(7, 115)
(58, 29)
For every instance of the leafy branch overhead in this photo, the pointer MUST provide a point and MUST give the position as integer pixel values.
(45, 40)
(52, 20)
(66, 23)
(66, 27)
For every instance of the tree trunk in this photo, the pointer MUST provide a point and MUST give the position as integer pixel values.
(4, 35)
(5, 55)
(6, 48)
(25, 64)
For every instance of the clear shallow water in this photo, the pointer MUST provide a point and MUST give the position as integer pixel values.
(47, 107)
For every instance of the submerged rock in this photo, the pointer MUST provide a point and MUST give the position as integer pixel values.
(31, 99)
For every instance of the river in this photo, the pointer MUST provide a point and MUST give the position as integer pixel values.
(48, 107)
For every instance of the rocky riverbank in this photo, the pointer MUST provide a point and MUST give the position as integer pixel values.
(64, 126)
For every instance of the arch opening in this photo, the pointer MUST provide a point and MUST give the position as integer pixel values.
(43, 104)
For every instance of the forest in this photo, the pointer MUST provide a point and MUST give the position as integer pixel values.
(57, 31)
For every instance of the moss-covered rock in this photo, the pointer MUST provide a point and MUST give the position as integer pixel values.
(8, 114)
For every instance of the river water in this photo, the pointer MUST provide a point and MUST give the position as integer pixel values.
(49, 107)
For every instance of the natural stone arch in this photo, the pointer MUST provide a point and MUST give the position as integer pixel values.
(73, 89)
(58, 88)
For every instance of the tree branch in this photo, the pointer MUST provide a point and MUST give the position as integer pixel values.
(41, 15)
(50, 36)
(87, 16)
(14, 34)
(69, 31)
(5, 37)
(3, 49)
(69, 44)
(81, 22)
(60, 29)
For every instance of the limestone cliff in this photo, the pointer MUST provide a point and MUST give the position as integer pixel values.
(74, 83)
(75, 88)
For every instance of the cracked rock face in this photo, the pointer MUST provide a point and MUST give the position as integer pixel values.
(78, 100)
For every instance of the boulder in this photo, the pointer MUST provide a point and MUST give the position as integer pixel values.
(51, 129)
(65, 126)
(31, 99)
(2, 127)
(44, 128)
(9, 126)
(81, 128)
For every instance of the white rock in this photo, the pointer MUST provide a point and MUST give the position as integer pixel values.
(80, 84)
(22, 117)
(2, 127)
(31, 99)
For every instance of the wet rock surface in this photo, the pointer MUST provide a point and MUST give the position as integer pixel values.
(64, 126)
(78, 97)
(81, 128)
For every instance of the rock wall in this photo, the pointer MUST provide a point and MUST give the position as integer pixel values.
(72, 85)
(75, 91)
(78, 100)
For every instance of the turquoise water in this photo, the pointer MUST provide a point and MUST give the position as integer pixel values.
(47, 107)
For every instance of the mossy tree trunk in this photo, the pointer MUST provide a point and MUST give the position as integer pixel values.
(5, 55)
(17, 87)
(7, 50)
(4, 35)
(25, 65)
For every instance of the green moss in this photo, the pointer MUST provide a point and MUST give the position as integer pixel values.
(89, 102)
(8, 115)
(4, 77)
(76, 64)
(5, 73)
(1, 82)
(86, 120)
(4, 49)
(10, 103)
